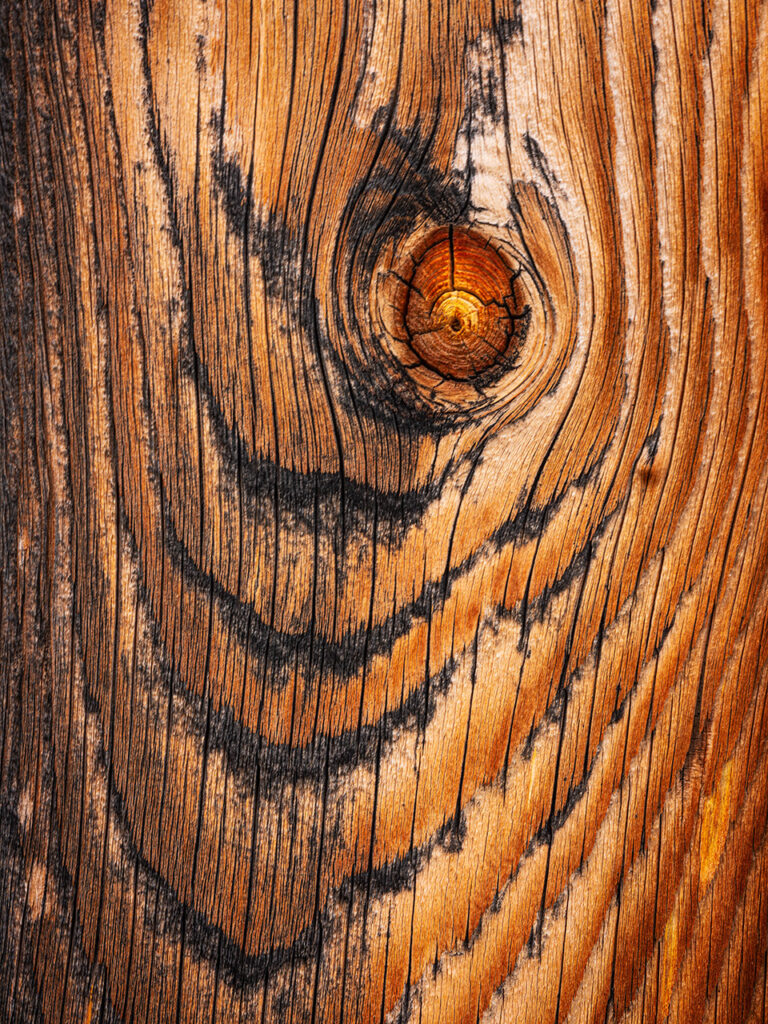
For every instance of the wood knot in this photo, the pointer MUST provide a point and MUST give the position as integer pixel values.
(459, 306)
(460, 321)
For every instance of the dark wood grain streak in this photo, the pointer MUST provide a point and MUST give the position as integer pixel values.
(383, 512)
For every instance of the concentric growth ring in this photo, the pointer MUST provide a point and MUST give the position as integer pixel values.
(460, 308)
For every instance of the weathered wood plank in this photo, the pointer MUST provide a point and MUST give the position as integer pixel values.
(384, 526)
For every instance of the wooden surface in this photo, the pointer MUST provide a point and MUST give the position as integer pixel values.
(384, 532)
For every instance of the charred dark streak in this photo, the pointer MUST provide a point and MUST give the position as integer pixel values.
(651, 445)
(419, 190)
(345, 658)
(269, 236)
(161, 160)
(540, 163)
(22, 999)
(400, 189)
(400, 873)
(383, 392)
(510, 26)
(204, 939)
(263, 479)
(411, 149)
(246, 752)
(558, 817)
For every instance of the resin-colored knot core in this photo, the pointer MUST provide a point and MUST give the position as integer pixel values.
(458, 304)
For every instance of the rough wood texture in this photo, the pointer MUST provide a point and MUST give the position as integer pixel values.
(384, 532)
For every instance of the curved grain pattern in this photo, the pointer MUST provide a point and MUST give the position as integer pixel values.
(385, 519)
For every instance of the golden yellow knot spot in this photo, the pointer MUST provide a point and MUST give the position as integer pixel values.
(459, 311)
(458, 303)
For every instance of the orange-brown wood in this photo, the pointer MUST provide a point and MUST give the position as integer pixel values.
(384, 506)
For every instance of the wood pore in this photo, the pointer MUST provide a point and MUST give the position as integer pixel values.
(384, 511)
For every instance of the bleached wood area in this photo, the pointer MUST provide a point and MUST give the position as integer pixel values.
(383, 511)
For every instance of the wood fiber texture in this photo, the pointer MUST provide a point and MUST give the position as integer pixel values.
(384, 511)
